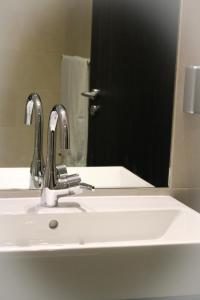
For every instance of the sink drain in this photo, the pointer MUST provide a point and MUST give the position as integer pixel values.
(53, 224)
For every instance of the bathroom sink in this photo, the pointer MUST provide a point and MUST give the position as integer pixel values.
(96, 223)
(131, 247)
(89, 229)
(100, 177)
(14, 178)
(109, 177)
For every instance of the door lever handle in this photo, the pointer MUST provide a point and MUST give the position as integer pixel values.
(91, 95)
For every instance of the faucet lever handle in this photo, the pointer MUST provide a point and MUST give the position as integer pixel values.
(87, 186)
(69, 181)
(61, 171)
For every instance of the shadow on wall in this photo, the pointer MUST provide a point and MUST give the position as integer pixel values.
(34, 35)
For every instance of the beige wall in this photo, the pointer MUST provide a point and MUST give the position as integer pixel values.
(79, 27)
(185, 159)
(33, 36)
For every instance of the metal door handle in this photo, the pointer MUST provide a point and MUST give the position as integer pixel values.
(91, 95)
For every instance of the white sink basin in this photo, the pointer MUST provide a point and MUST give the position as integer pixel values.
(136, 247)
(100, 222)
(109, 177)
(85, 228)
(14, 178)
(100, 177)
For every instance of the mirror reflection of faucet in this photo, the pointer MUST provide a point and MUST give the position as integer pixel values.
(37, 165)
(54, 180)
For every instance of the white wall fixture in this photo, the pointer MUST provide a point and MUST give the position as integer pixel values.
(93, 247)
(192, 90)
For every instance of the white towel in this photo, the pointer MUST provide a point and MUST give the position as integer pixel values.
(74, 81)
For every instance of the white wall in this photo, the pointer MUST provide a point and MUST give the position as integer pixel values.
(185, 159)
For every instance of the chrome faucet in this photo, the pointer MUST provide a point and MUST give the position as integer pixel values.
(57, 183)
(37, 164)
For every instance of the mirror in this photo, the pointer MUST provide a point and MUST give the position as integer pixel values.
(126, 50)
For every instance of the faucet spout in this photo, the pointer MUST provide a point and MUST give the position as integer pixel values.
(37, 165)
(58, 115)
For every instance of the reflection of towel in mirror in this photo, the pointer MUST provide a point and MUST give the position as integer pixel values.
(74, 81)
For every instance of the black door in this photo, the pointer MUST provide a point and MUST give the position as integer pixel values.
(133, 61)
